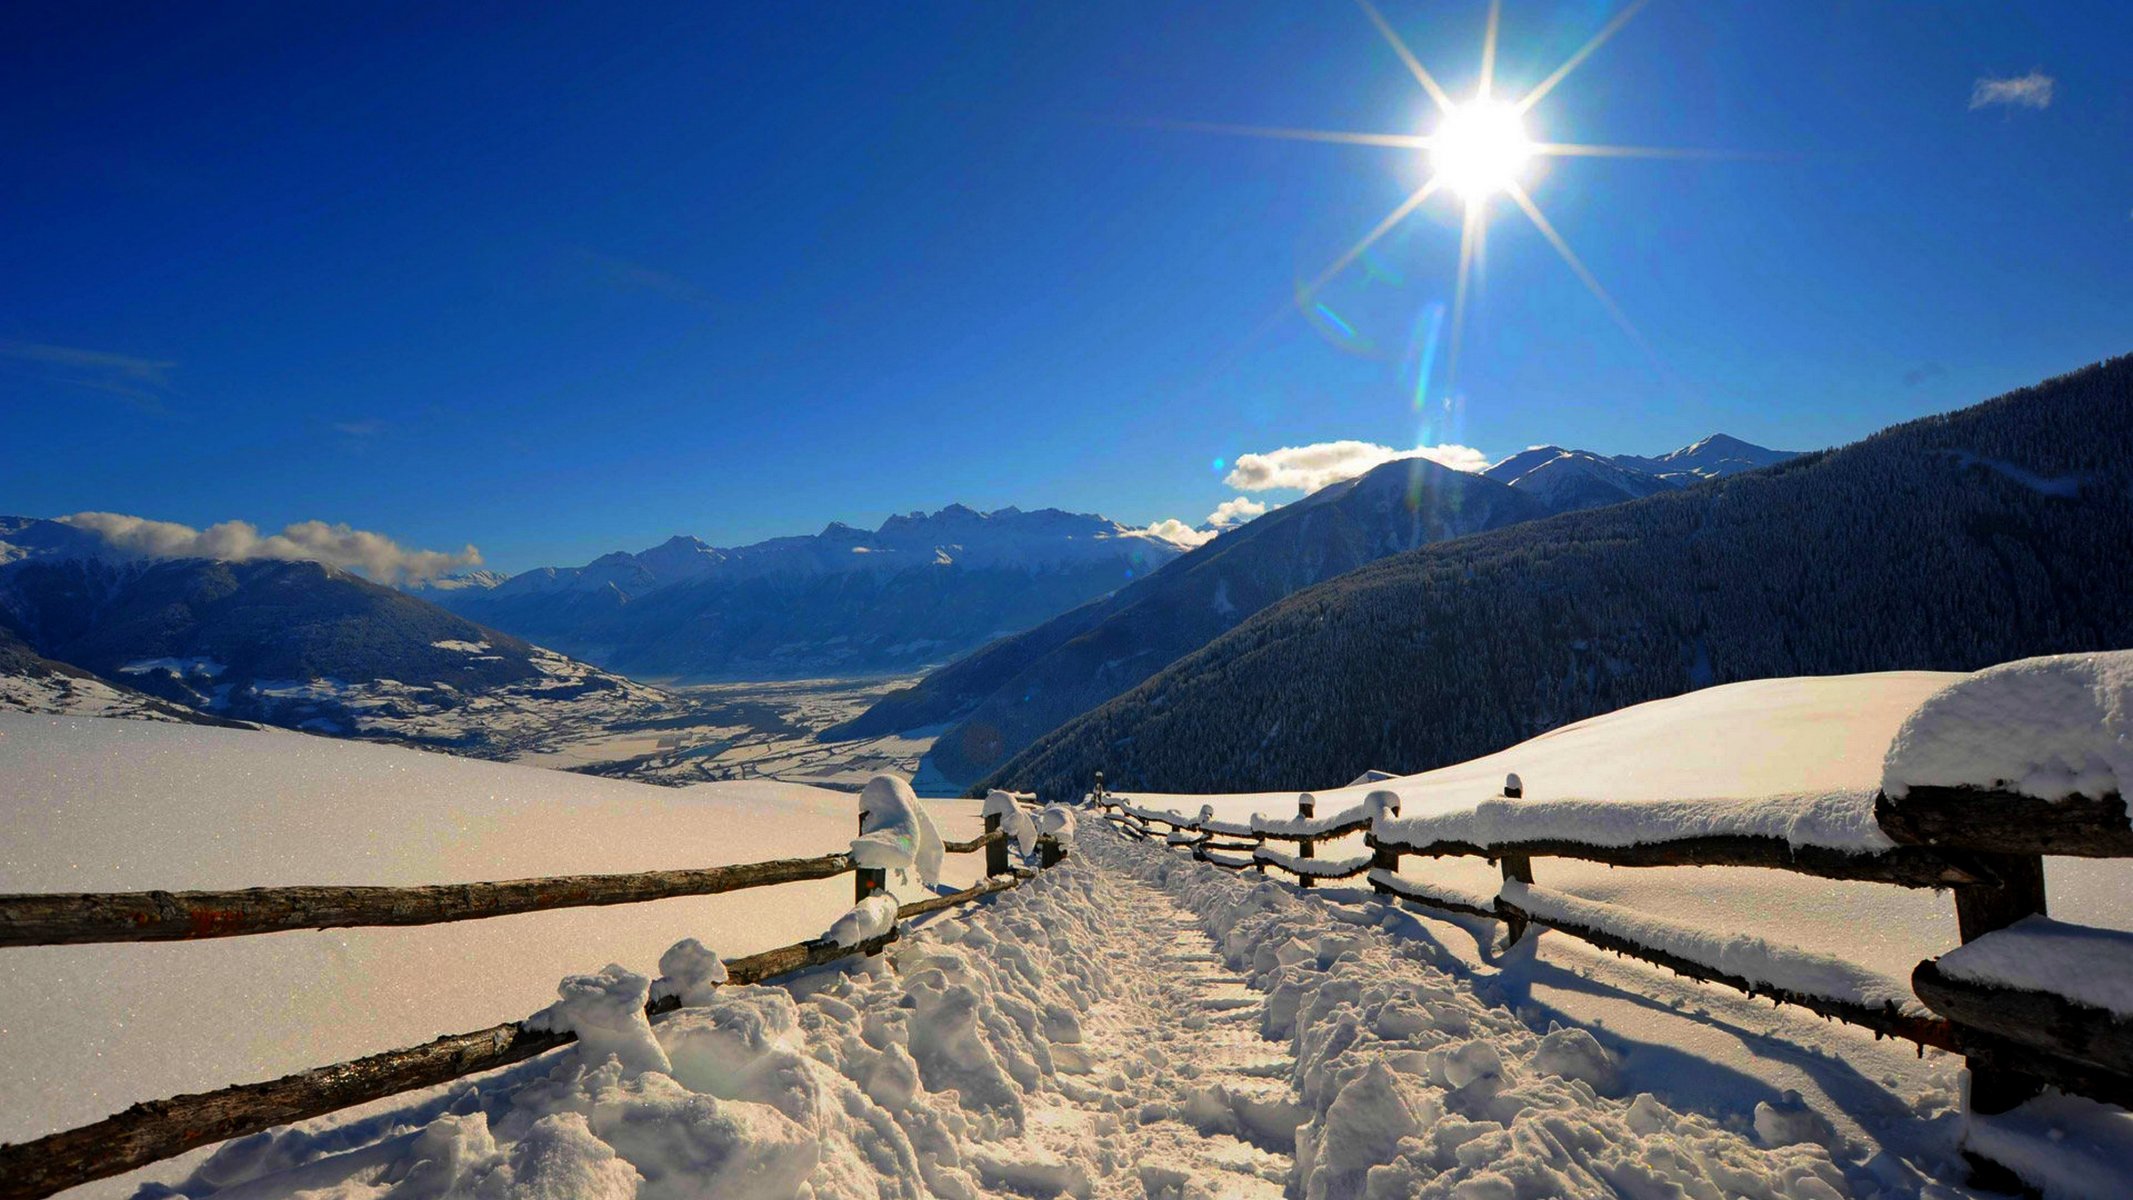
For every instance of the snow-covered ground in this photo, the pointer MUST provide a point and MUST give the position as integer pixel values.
(112, 805)
(1133, 1024)
(1696, 1046)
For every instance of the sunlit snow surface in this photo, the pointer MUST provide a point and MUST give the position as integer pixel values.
(116, 805)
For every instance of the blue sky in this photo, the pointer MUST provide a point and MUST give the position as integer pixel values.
(559, 279)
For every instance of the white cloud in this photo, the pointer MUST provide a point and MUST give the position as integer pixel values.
(1170, 529)
(1314, 466)
(372, 554)
(2033, 90)
(1235, 511)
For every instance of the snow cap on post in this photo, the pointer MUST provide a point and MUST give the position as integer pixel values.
(1055, 820)
(1013, 821)
(2050, 728)
(1513, 787)
(1382, 802)
(895, 832)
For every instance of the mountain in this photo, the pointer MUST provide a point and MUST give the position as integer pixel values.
(1712, 458)
(1004, 695)
(1572, 479)
(32, 683)
(920, 589)
(297, 644)
(1008, 693)
(1949, 543)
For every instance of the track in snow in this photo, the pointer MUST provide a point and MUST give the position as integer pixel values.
(1172, 1090)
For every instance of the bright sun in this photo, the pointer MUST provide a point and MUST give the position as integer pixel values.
(1479, 148)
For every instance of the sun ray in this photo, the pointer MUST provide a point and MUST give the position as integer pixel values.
(1399, 141)
(1438, 94)
(1577, 267)
(1584, 52)
(1466, 259)
(1413, 202)
(1588, 150)
(1488, 49)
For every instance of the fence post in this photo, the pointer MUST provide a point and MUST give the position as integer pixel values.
(1382, 858)
(1979, 909)
(866, 881)
(1102, 797)
(1049, 853)
(1515, 866)
(996, 852)
(1306, 806)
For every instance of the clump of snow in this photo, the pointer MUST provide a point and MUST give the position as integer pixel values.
(2046, 727)
(894, 831)
(689, 972)
(2086, 965)
(1014, 822)
(1055, 821)
(606, 1011)
(1790, 1122)
(871, 918)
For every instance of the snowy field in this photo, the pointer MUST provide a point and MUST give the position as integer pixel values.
(114, 805)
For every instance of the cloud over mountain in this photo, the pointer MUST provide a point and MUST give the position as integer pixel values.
(1312, 467)
(338, 545)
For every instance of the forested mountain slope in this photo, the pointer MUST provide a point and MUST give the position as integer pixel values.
(1006, 695)
(1949, 543)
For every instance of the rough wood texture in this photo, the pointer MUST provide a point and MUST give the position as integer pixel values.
(1905, 866)
(1979, 910)
(931, 904)
(1926, 1031)
(159, 1129)
(72, 919)
(2043, 1020)
(995, 847)
(986, 840)
(2005, 823)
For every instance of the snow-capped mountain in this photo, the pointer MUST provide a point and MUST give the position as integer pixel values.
(1714, 457)
(921, 588)
(1567, 480)
(86, 629)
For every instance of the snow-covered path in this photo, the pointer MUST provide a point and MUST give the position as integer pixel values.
(1172, 1084)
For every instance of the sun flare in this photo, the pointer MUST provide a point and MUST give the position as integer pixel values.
(1479, 149)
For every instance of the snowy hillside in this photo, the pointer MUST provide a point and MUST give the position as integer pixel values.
(125, 805)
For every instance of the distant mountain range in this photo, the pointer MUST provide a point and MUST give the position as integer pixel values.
(1006, 695)
(918, 590)
(1994, 533)
(86, 629)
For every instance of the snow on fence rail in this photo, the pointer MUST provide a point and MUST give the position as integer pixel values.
(150, 1132)
(2029, 1002)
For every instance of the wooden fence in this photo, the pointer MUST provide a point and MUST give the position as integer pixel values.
(1984, 846)
(155, 1130)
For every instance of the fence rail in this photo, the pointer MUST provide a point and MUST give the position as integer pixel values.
(1983, 845)
(155, 1130)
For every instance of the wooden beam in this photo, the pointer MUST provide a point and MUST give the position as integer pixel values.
(73, 919)
(1905, 866)
(2043, 1020)
(2006, 823)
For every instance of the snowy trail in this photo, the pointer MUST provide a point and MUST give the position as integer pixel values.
(1172, 1083)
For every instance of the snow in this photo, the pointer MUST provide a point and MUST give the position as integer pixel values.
(1316, 868)
(2084, 964)
(895, 833)
(1759, 961)
(689, 972)
(115, 805)
(1055, 821)
(1840, 820)
(2046, 727)
(871, 918)
(1014, 822)
(606, 1011)
(2067, 1147)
